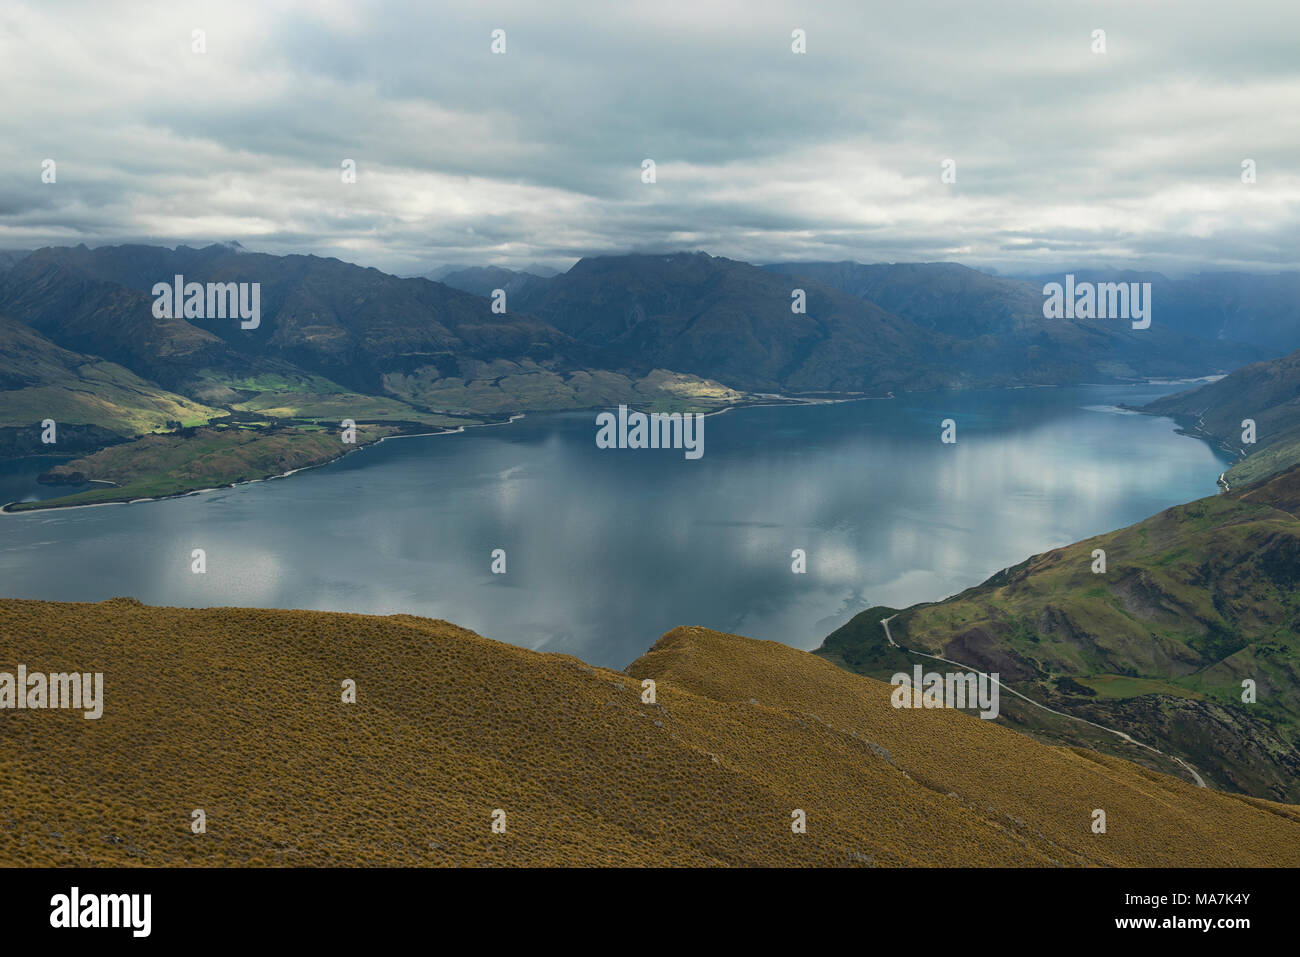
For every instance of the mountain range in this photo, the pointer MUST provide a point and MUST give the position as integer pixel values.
(336, 341)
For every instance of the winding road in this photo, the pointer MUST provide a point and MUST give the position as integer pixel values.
(1127, 737)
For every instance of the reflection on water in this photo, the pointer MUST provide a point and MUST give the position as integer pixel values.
(607, 549)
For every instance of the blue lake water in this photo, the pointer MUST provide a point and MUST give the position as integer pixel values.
(606, 549)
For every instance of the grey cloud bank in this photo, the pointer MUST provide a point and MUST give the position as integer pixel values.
(1063, 156)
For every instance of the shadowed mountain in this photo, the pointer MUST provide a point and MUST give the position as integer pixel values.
(8, 257)
(450, 733)
(1002, 322)
(327, 317)
(734, 322)
(83, 312)
(864, 329)
(323, 324)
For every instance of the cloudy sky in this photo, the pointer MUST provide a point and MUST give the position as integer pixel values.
(1063, 156)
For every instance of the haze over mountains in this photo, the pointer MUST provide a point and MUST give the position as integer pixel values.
(1255, 309)
(1001, 315)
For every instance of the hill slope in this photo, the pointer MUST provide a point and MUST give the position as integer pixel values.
(238, 712)
(40, 380)
(1193, 602)
(1268, 393)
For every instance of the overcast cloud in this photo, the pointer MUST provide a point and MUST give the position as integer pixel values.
(1064, 157)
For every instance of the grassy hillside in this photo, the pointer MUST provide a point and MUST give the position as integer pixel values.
(1193, 602)
(1280, 454)
(39, 380)
(1267, 393)
(238, 712)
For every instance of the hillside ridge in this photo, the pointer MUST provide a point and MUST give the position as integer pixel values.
(238, 712)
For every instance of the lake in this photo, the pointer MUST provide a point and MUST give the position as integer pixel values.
(606, 549)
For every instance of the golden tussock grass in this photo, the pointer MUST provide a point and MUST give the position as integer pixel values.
(239, 712)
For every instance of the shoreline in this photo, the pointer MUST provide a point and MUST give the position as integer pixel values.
(6, 510)
(763, 400)
(1185, 426)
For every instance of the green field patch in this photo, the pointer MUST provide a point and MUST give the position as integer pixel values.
(1124, 686)
(344, 405)
(311, 384)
